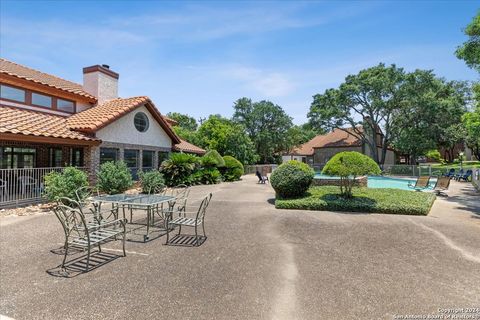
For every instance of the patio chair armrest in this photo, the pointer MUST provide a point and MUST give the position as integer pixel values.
(121, 221)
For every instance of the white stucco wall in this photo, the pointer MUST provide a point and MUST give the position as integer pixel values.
(123, 131)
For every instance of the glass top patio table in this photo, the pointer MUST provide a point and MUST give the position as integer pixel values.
(135, 199)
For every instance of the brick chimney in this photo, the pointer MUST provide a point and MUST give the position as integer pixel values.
(101, 82)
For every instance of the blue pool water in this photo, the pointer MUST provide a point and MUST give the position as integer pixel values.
(382, 182)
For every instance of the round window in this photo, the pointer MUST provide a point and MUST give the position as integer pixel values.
(141, 122)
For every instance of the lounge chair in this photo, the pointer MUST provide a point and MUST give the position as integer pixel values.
(261, 179)
(442, 185)
(460, 173)
(465, 176)
(450, 173)
(421, 183)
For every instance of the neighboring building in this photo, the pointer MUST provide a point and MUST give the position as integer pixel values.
(321, 148)
(46, 121)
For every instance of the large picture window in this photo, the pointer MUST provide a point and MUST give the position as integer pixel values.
(108, 154)
(130, 157)
(55, 157)
(11, 157)
(147, 160)
(76, 157)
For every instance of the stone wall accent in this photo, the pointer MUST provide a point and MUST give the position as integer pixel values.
(359, 182)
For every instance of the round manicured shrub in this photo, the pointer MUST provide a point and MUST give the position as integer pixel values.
(233, 169)
(64, 184)
(213, 159)
(292, 179)
(151, 181)
(114, 177)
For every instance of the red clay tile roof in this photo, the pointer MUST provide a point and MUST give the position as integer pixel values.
(32, 123)
(22, 72)
(188, 147)
(95, 118)
(336, 138)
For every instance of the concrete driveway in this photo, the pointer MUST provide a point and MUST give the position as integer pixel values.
(257, 263)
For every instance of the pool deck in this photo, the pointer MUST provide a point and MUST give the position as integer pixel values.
(257, 263)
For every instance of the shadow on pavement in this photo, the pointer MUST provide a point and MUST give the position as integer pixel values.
(77, 266)
(184, 240)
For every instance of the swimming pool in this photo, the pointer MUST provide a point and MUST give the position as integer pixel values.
(382, 182)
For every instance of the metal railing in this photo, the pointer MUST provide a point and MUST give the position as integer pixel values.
(23, 186)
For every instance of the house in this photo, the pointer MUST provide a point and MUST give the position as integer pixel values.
(321, 148)
(49, 122)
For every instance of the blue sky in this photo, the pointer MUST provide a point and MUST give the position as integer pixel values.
(199, 57)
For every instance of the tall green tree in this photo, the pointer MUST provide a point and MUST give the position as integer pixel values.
(370, 99)
(267, 125)
(469, 51)
(228, 138)
(430, 116)
(184, 120)
(299, 134)
(471, 121)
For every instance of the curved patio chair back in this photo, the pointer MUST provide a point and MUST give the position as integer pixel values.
(450, 172)
(86, 192)
(442, 183)
(202, 210)
(72, 220)
(422, 182)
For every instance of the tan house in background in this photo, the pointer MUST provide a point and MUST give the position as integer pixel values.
(322, 148)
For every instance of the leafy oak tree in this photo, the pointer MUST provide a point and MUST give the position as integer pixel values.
(267, 125)
(184, 120)
(471, 121)
(430, 116)
(370, 99)
(469, 51)
(228, 138)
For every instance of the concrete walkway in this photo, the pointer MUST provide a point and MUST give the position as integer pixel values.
(257, 263)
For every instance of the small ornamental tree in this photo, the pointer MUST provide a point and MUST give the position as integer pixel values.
(292, 179)
(348, 165)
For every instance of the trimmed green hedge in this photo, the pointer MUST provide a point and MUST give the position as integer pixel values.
(233, 169)
(292, 179)
(327, 198)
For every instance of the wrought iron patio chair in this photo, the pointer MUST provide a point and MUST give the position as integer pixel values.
(84, 197)
(465, 176)
(191, 222)
(80, 235)
(423, 182)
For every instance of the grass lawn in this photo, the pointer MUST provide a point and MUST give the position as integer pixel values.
(456, 166)
(392, 201)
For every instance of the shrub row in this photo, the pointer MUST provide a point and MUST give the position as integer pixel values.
(364, 200)
(115, 177)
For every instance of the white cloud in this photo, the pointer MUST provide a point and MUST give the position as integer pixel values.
(268, 84)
